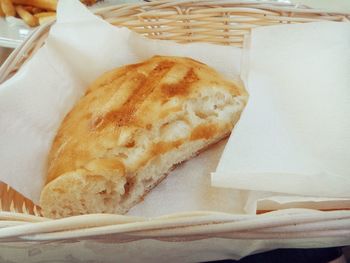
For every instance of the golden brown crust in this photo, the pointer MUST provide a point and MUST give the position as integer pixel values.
(132, 126)
(125, 101)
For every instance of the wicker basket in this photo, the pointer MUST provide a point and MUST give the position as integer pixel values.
(220, 22)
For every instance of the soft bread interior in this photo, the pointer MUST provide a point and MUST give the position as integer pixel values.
(143, 155)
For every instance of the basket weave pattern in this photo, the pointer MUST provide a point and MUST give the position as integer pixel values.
(219, 22)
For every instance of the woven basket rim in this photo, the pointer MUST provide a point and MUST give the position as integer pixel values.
(24, 222)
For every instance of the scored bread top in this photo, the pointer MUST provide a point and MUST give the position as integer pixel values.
(131, 114)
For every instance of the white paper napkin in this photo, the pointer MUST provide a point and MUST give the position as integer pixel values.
(261, 202)
(294, 136)
(80, 47)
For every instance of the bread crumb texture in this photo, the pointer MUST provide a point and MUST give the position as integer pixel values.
(131, 127)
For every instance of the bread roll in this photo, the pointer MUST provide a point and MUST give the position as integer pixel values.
(133, 125)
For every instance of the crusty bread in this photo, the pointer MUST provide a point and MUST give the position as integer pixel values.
(131, 127)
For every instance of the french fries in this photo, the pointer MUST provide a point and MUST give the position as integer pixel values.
(44, 4)
(1, 11)
(26, 16)
(88, 2)
(45, 17)
(32, 9)
(33, 12)
(45, 14)
(8, 8)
